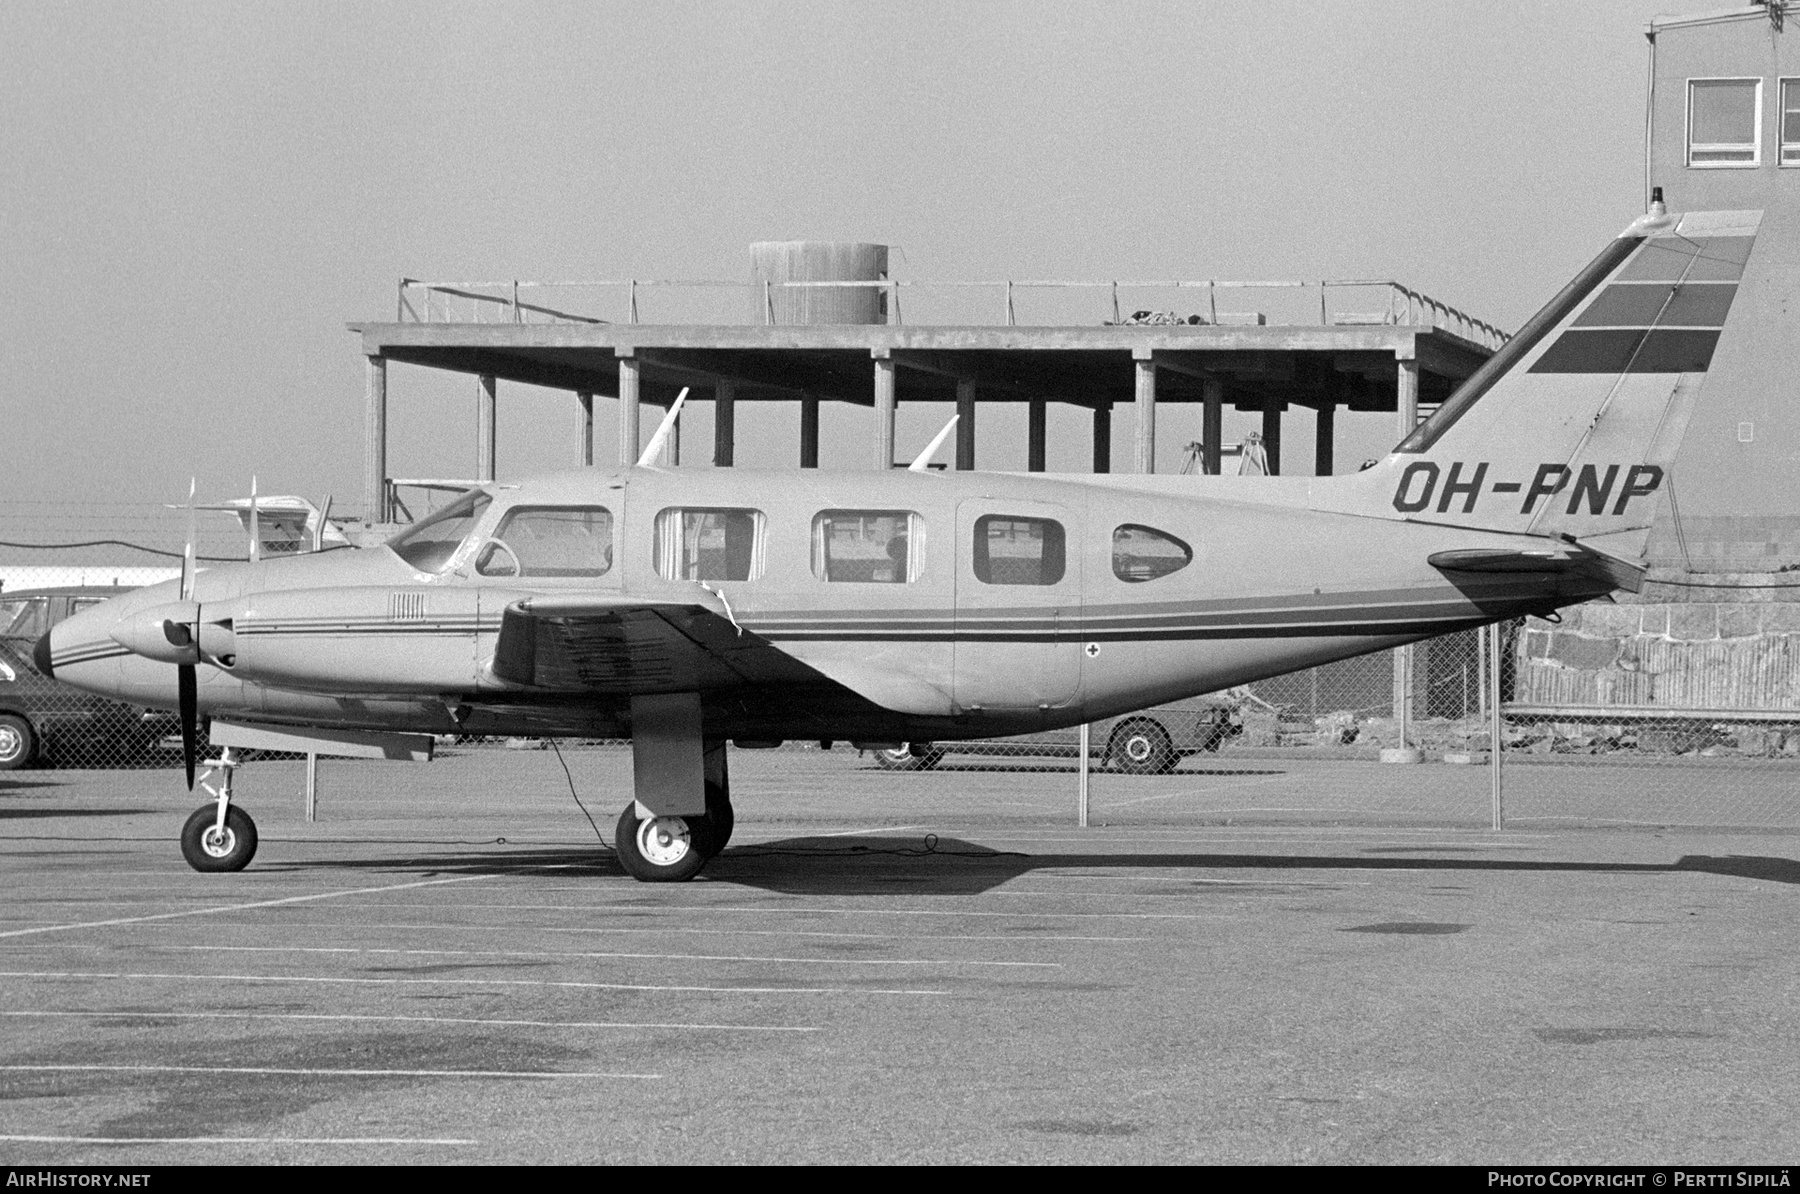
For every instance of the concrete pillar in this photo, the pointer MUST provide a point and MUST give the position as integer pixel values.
(1322, 440)
(1271, 432)
(1406, 393)
(628, 407)
(1145, 392)
(486, 424)
(809, 433)
(965, 426)
(724, 422)
(1103, 438)
(884, 409)
(1036, 435)
(1406, 390)
(1212, 424)
(375, 495)
(586, 399)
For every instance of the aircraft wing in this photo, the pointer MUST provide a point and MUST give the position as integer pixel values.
(1566, 558)
(629, 646)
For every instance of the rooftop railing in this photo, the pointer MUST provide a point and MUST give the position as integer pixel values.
(1005, 303)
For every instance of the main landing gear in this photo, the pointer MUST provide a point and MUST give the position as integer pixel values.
(669, 849)
(219, 837)
(682, 817)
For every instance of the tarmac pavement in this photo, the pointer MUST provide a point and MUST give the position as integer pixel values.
(887, 967)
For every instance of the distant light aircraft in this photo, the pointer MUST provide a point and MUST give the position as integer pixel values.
(685, 609)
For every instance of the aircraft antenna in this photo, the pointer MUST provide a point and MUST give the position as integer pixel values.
(923, 460)
(664, 429)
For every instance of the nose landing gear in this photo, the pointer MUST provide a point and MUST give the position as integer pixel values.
(219, 837)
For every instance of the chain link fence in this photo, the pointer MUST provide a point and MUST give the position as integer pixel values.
(1679, 706)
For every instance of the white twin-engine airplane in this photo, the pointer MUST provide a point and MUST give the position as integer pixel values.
(685, 609)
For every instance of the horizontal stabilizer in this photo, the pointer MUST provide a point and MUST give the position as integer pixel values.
(1569, 558)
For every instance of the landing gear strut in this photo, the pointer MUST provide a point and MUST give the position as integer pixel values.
(219, 837)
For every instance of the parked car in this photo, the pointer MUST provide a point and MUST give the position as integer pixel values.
(1148, 742)
(42, 719)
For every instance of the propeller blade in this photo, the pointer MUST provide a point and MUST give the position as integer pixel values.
(255, 524)
(190, 718)
(187, 553)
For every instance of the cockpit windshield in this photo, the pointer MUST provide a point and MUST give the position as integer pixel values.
(429, 543)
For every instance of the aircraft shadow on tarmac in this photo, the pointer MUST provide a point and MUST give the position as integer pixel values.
(8, 786)
(885, 865)
(15, 814)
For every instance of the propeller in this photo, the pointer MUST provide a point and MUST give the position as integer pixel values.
(187, 685)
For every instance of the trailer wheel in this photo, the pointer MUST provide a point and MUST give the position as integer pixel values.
(1142, 747)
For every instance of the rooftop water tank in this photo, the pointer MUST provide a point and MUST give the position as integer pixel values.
(778, 261)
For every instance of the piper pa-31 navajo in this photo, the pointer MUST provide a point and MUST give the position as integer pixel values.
(687, 609)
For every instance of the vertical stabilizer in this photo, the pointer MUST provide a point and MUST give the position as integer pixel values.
(1572, 427)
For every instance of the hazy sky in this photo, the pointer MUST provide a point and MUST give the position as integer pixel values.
(197, 197)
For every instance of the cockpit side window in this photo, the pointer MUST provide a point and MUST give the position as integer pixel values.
(429, 544)
(1141, 553)
(550, 541)
(709, 544)
(1011, 550)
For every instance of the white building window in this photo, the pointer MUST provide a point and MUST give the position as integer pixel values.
(1790, 122)
(1724, 124)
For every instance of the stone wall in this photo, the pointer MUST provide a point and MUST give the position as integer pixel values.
(1720, 647)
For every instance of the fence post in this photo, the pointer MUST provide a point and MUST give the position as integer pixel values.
(312, 787)
(1081, 783)
(1494, 638)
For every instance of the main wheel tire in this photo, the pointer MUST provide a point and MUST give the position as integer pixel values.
(661, 849)
(211, 852)
(909, 756)
(18, 745)
(1142, 748)
(721, 818)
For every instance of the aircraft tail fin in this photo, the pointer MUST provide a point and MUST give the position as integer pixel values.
(1570, 430)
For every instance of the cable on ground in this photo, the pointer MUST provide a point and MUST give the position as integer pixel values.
(571, 778)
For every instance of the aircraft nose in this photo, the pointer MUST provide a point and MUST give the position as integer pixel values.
(40, 656)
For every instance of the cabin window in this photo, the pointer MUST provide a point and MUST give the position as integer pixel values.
(868, 546)
(712, 544)
(550, 541)
(429, 543)
(1143, 553)
(1790, 122)
(1724, 122)
(1011, 550)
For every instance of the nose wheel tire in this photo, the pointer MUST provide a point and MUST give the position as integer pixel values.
(209, 850)
(17, 743)
(1142, 748)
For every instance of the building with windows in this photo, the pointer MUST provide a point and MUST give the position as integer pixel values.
(1722, 132)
